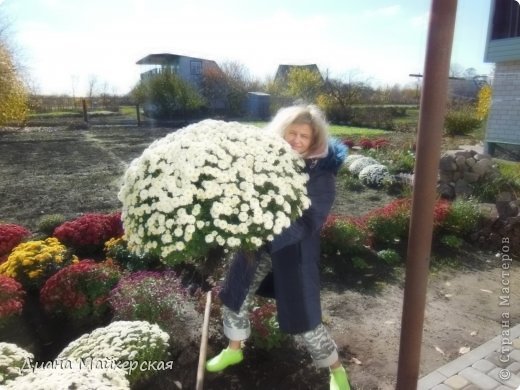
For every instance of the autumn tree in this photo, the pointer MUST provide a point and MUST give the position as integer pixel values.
(13, 92)
(303, 83)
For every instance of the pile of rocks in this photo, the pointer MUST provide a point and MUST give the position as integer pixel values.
(459, 170)
(501, 225)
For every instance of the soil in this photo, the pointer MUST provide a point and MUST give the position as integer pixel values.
(57, 170)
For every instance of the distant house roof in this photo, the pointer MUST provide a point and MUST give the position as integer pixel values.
(283, 71)
(164, 59)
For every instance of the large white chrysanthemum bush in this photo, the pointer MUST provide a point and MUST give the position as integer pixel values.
(211, 184)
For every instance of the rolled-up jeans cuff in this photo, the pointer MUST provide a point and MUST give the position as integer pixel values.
(328, 361)
(236, 334)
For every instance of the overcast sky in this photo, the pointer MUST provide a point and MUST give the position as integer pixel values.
(64, 42)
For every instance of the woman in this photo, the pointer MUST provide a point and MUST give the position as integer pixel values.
(288, 267)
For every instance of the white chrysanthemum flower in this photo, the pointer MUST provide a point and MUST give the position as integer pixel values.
(373, 175)
(360, 163)
(212, 175)
(351, 158)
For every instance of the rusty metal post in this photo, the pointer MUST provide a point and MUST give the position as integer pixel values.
(431, 122)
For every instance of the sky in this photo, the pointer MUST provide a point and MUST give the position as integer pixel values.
(65, 43)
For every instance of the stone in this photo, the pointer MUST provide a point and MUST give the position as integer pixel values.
(506, 209)
(447, 163)
(484, 365)
(482, 167)
(470, 162)
(446, 191)
(463, 153)
(456, 382)
(461, 162)
(505, 197)
(471, 177)
(446, 177)
(462, 188)
(478, 378)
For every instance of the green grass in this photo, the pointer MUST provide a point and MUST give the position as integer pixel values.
(127, 111)
(55, 114)
(337, 130)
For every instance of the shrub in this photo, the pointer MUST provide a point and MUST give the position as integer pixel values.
(460, 122)
(32, 262)
(117, 249)
(462, 218)
(401, 161)
(11, 299)
(389, 224)
(136, 342)
(366, 143)
(50, 222)
(149, 296)
(12, 360)
(361, 163)
(451, 241)
(389, 256)
(352, 183)
(167, 96)
(484, 102)
(373, 175)
(351, 158)
(10, 236)
(265, 330)
(80, 291)
(89, 232)
(341, 235)
(72, 374)
(348, 143)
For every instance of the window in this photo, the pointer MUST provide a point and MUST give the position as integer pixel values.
(506, 19)
(196, 67)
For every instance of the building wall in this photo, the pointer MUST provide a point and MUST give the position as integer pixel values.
(503, 124)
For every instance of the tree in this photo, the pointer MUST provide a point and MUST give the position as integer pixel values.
(304, 84)
(167, 96)
(13, 91)
(484, 102)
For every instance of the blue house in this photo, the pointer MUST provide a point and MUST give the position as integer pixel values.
(503, 48)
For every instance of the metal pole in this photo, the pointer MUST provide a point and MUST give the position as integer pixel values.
(431, 122)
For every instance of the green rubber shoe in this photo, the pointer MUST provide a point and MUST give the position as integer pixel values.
(339, 379)
(227, 357)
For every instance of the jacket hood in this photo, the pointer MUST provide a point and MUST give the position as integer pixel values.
(337, 152)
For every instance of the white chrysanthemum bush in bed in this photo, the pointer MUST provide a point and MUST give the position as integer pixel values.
(129, 345)
(211, 184)
(357, 165)
(374, 175)
(12, 360)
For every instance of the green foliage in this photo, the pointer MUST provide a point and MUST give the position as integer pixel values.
(389, 256)
(167, 96)
(461, 121)
(352, 183)
(389, 224)
(49, 222)
(451, 241)
(341, 235)
(117, 249)
(463, 217)
(265, 330)
(508, 180)
(360, 263)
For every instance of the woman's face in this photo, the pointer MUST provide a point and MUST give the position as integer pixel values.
(299, 136)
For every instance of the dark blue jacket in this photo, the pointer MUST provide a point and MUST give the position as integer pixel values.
(295, 254)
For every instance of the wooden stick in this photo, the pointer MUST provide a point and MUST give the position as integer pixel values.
(203, 345)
